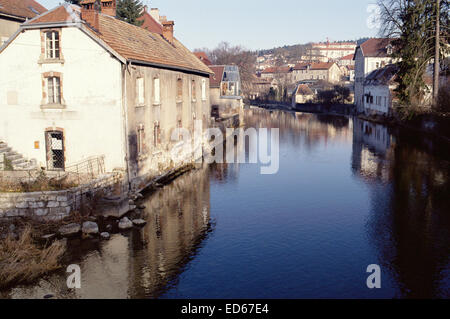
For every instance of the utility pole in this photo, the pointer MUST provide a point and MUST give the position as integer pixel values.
(436, 54)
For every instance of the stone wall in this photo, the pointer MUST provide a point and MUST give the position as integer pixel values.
(56, 205)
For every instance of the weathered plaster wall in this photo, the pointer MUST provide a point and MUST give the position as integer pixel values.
(155, 158)
(92, 91)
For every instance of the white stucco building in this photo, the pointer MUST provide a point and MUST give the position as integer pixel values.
(369, 56)
(77, 83)
(379, 88)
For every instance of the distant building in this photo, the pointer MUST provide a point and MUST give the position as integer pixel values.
(369, 56)
(226, 95)
(346, 60)
(379, 88)
(325, 71)
(326, 52)
(203, 57)
(302, 94)
(15, 12)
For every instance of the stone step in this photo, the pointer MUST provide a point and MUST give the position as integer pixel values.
(13, 157)
(5, 150)
(19, 161)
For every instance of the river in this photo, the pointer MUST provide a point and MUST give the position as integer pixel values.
(348, 194)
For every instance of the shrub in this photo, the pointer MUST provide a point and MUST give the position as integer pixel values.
(21, 260)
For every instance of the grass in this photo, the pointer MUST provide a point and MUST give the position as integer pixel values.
(22, 260)
(40, 183)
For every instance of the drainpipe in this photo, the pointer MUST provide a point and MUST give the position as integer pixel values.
(125, 120)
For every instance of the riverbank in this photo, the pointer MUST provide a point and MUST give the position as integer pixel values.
(30, 249)
(433, 125)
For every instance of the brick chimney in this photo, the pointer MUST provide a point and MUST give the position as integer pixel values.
(154, 12)
(168, 30)
(90, 11)
(109, 7)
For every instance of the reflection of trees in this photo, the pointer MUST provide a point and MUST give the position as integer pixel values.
(410, 223)
(301, 129)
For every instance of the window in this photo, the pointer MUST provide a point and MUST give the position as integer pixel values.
(52, 49)
(140, 91)
(193, 91)
(156, 91)
(53, 90)
(179, 90)
(204, 90)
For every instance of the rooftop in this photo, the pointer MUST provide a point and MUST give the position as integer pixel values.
(129, 41)
(22, 9)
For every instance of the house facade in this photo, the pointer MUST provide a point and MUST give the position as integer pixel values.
(91, 85)
(302, 94)
(329, 72)
(369, 56)
(15, 12)
(225, 86)
(379, 88)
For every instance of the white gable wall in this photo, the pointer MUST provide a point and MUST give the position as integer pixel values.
(91, 88)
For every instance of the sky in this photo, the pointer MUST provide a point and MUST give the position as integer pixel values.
(262, 24)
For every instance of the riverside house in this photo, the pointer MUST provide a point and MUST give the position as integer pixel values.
(90, 85)
(371, 55)
(379, 88)
(226, 98)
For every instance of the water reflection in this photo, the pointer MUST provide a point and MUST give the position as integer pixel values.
(409, 221)
(348, 194)
(143, 263)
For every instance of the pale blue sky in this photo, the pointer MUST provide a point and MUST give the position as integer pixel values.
(262, 24)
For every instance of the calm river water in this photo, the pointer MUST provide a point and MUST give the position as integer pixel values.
(348, 194)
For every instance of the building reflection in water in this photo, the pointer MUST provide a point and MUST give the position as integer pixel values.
(409, 223)
(143, 263)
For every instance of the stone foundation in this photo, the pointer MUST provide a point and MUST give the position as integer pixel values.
(57, 205)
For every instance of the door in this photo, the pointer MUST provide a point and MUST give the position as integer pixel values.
(55, 150)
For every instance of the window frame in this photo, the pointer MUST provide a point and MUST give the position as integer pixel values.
(156, 91)
(45, 102)
(45, 57)
(140, 91)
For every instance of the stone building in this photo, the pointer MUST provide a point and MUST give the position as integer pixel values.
(15, 12)
(91, 85)
(328, 72)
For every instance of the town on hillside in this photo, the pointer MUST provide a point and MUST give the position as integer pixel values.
(135, 165)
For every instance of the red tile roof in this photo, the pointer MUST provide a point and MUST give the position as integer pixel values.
(274, 69)
(322, 66)
(24, 9)
(301, 66)
(59, 14)
(150, 23)
(216, 79)
(131, 42)
(375, 47)
(304, 89)
(203, 57)
(347, 57)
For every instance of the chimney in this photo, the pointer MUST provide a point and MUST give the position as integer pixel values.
(154, 12)
(168, 31)
(109, 7)
(89, 13)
